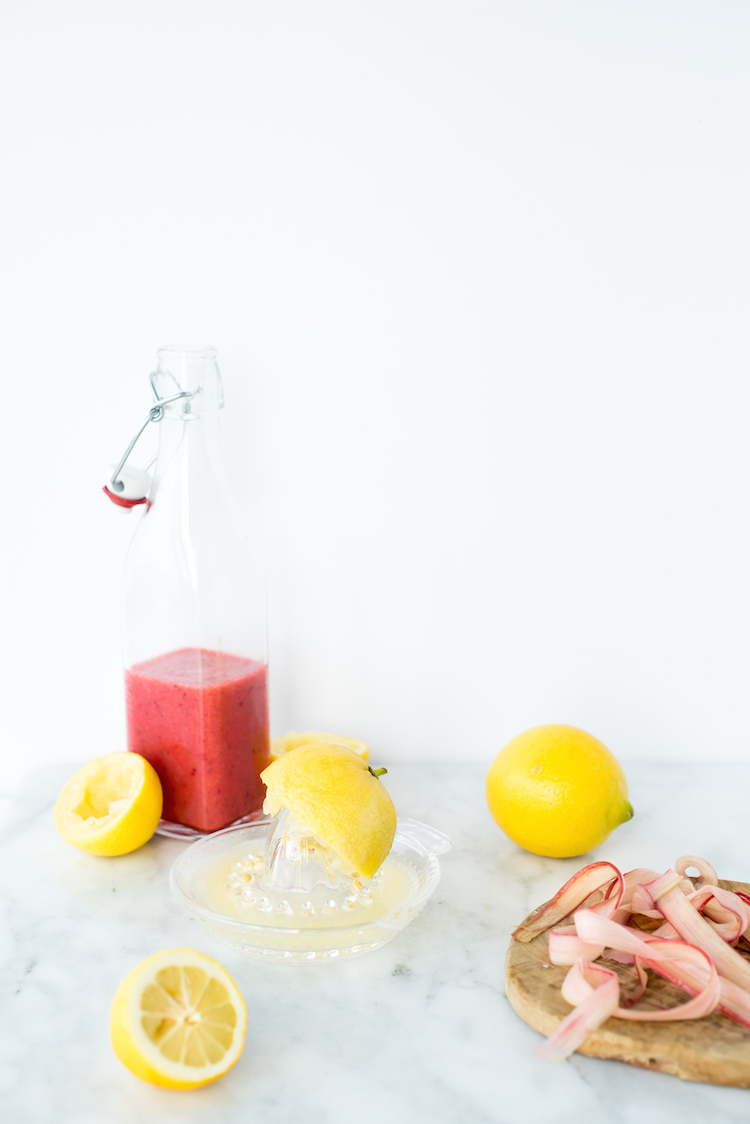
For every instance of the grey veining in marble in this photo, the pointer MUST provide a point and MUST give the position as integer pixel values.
(419, 1031)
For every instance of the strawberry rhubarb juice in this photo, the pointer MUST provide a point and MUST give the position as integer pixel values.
(201, 718)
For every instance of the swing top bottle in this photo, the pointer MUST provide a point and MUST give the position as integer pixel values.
(195, 615)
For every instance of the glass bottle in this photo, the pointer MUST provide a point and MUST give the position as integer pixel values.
(195, 616)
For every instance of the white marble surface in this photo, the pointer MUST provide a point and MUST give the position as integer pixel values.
(418, 1031)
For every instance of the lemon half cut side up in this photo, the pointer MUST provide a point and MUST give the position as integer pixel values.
(178, 1020)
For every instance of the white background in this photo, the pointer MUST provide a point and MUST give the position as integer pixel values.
(478, 273)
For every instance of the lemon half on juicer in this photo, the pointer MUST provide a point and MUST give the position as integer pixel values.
(339, 798)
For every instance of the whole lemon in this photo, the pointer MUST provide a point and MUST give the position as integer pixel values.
(557, 791)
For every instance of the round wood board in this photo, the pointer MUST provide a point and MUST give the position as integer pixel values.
(714, 1049)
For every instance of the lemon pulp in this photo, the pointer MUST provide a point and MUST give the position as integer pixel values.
(178, 1019)
(188, 1016)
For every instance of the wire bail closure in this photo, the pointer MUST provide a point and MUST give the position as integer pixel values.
(140, 481)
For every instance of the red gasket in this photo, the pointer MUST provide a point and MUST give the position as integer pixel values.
(120, 501)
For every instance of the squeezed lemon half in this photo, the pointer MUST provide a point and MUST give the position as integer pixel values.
(178, 1020)
(334, 793)
(293, 740)
(111, 806)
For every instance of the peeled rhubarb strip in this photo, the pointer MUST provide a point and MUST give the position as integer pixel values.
(642, 902)
(593, 1006)
(592, 927)
(565, 947)
(593, 877)
(618, 957)
(632, 879)
(600, 930)
(734, 1001)
(706, 872)
(645, 894)
(694, 929)
(642, 982)
(666, 882)
(593, 1010)
(582, 979)
(724, 910)
(704, 1001)
(666, 932)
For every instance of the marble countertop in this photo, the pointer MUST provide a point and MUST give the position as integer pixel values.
(417, 1031)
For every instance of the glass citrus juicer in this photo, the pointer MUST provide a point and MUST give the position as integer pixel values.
(287, 888)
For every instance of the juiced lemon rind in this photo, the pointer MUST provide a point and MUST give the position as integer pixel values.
(111, 806)
(141, 1008)
(294, 740)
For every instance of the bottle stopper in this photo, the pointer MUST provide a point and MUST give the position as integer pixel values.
(127, 487)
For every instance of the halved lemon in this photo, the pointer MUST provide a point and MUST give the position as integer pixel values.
(178, 1020)
(339, 798)
(293, 740)
(111, 806)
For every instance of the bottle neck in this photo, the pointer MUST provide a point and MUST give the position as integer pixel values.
(193, 372)
(190, 461)
(189, 441)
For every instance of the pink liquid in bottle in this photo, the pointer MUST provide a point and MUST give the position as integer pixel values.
(201, 719)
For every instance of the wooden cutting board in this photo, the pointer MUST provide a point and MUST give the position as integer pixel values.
(714, 1049)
